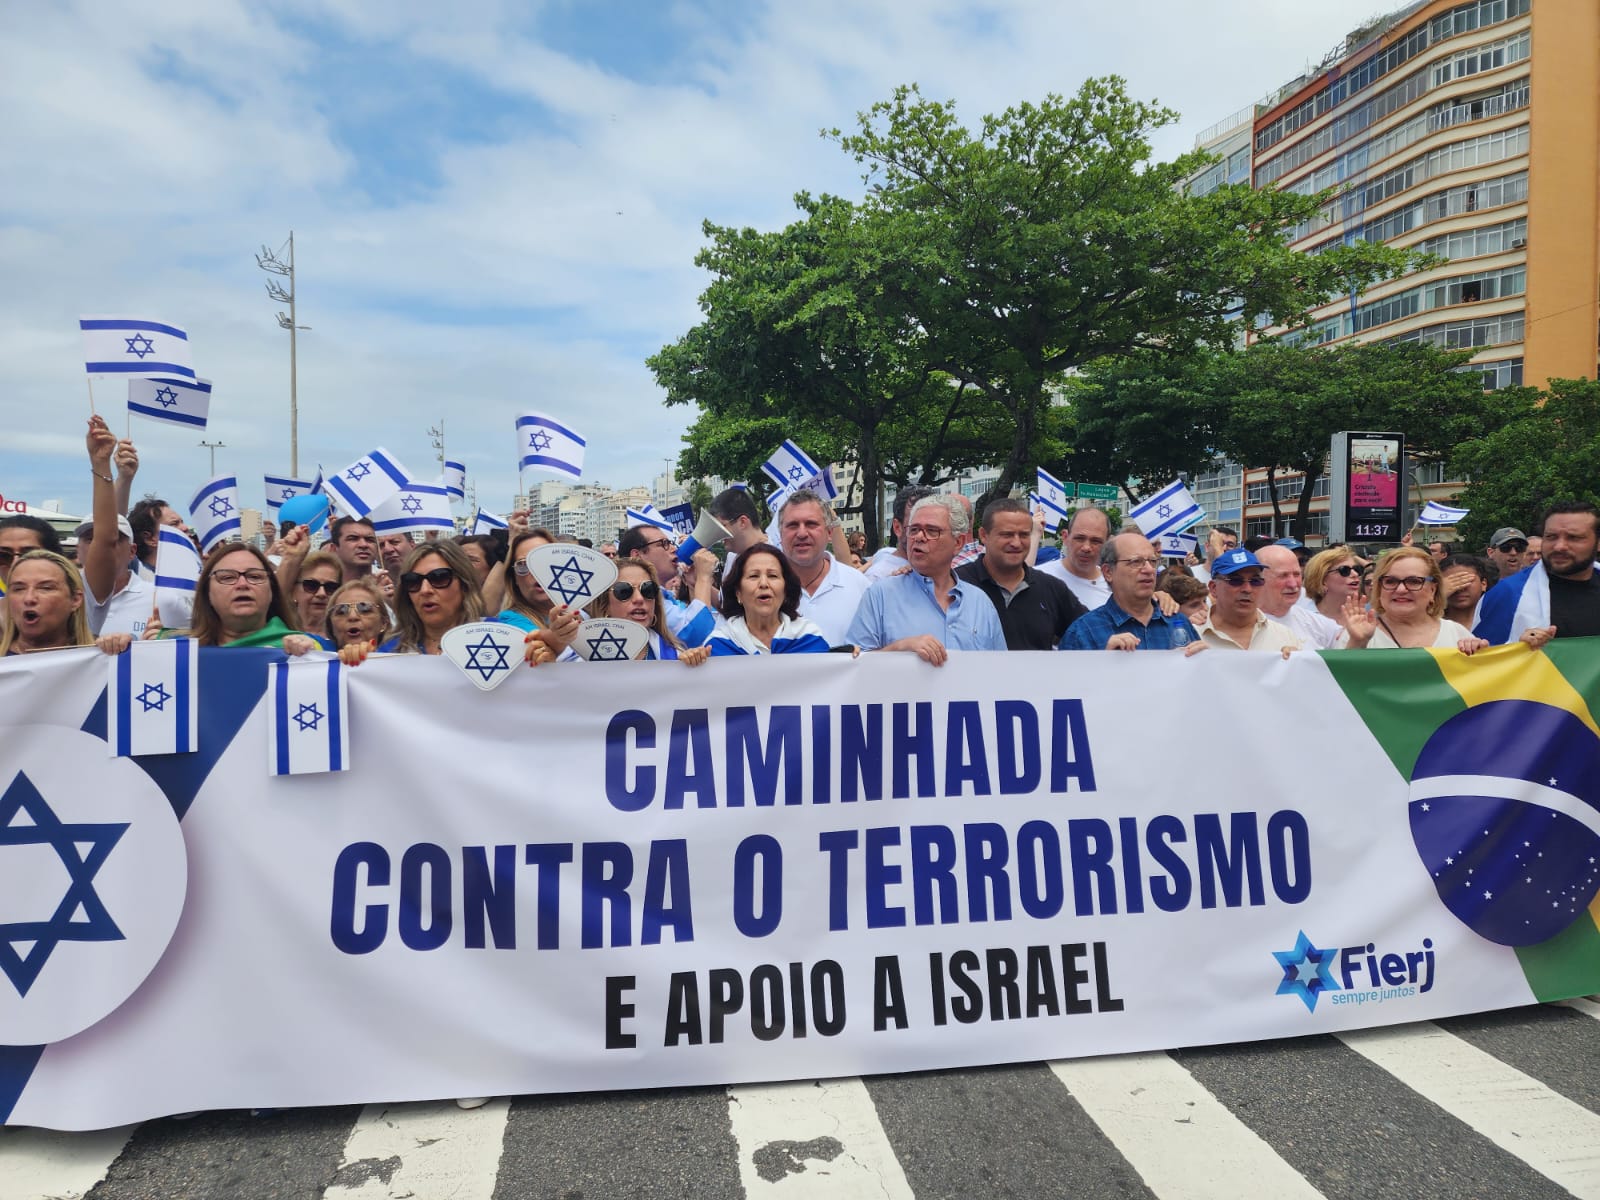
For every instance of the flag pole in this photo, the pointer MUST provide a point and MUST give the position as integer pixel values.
(89, 379)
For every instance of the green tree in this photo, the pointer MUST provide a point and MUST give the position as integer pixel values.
(1546, 451)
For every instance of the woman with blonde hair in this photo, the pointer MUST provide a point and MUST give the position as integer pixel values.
(1332, 577)
(44, 605)
(1407, 607)
(357, 613)
(320, 577)
(636, 596)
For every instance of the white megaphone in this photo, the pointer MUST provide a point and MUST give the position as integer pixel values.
(708, 531)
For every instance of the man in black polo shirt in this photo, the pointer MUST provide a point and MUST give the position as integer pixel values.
(1571, 538)
(1034, 608)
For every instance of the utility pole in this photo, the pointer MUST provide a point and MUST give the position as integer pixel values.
(437, 434)
(269, 261)
(213, 447)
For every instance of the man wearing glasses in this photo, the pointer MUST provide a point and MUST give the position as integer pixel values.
(1237, 622)
(692, 623)
(928, 611)
(1508, 551)
(1130, 619)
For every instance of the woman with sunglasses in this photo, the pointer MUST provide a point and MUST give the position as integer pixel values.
(1331, 578)
(438, 590)
(761, 608)
(320, 577)
(357, 615)
(44, 605)
(637, 596)
(1407, 606)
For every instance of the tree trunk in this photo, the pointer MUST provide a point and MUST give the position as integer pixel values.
(1302, 515)
(1277, 508)
(1021, 437)
(871, 487)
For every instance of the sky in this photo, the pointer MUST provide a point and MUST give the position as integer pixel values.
(496, 206)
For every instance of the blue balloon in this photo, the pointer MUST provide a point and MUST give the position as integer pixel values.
(310, 511)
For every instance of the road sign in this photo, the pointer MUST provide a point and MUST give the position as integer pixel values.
(1097, 491)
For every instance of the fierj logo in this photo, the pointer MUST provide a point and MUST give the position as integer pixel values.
(1365, 973)
(92, 881)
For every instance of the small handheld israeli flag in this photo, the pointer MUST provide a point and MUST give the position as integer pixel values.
(1434, 513)
(455, 480)
(1177, 545)
(682, 518)
(487, 522)
(134, 346)
(648, 517)
(1171, 510)
(307, 727)
(281, 488)
(544, 444)
(177, 575)
(368, 482)
(154, 699)
(215, 511)
(790, 466)
(1052, 519)
(184, 402)
(1053, 499)
(416, 506)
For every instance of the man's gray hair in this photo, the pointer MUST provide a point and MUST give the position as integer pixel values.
(960, 523)
(802, 496)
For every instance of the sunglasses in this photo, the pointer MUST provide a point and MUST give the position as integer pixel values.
(624, 591)
(438, 579)
(360, 607)
(9, 556)
(1348, 570)
(1512, 547)
(327, 587)
(1238, 581)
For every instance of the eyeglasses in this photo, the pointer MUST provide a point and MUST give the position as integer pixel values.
(255, 576)
(361, 607)
(1237, 580)
(326, 586)
(9, 556)
(1512, 547)
(624, 591)
(438, 579)
(655, 545)
(1348, 570)
(1140, 562)
(1411, 583)
(930, 532)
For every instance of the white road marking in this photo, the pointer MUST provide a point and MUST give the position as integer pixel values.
(39, 1164)
(829, 1113)
(1586, 1006)
(432, 1151)
(1553, 1135)
(1183, 1141)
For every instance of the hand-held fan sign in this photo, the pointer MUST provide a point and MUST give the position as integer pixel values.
(569, 574)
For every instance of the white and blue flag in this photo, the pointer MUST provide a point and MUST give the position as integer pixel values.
(367, 482)
(134, 346)
(177, 574)
(154, 699)
(416, 506)
(1171, 510)
(1053, 499)
(1434, 513)
(682, 518)
(544, 444)
(792, 469)
(1177, 545)
(308, 728)
(455, 480)
(215, 511)
(650, 518)
(280, 488)
(175, 401)
(488, 522)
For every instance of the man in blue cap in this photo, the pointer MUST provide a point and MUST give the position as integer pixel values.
(1237, 622)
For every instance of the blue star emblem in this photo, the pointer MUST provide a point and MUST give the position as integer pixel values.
(570, 591)
(288, 494)
(486, 646)
(608, 647)
(308, 716)
(411, 505)
(220, 506)
(83, 850)
(140, 345)
(154, 697)
(166, 397)
(539, 440)
(796, 474)
(1164, 511)
(358, 472)
(1306, 971)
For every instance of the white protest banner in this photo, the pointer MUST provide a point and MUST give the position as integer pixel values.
(797, 867)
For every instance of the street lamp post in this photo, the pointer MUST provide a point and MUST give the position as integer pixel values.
(269, 261)
(213, 447)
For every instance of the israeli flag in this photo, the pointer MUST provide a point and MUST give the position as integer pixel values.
(455, 480)
(281, 488)
(415, 506)
(1053, 498)
(134, 346)
(650, 518)
(487, 522)
(308, 732)
(215, 511)
(682, 518)
(790, 466)
(544, 444)
(1434, 513)
(154, 691)
(368, 482)
(1171, 510)
(1052, 519)
(173, 401)
(1177, 545)
(177, 575)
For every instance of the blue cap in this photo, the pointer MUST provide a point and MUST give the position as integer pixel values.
(1230, 561)
(1290, 542)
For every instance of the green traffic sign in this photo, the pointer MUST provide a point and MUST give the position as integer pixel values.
(1097, 491)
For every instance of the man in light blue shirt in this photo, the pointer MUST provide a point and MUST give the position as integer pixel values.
(928, 611)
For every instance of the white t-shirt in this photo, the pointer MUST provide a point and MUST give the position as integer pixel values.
(1449, 634)
(127, 611)
(834, 604)
(1091, 593)
(1310, 626)
(883, 564)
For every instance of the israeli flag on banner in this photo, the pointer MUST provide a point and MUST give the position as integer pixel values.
(455, 480)
(174, 401)
(1053, 496)
(1171, 510)
(682, 518)
(308, 732)
(154, 693)
(649, 517)
(368, 482)
(215, 511)
(1434, 513)
(134, 346)
(177, 574)
(1177, 545)
(415, 506)
(281, 488)
(544, 444)
(487, 522)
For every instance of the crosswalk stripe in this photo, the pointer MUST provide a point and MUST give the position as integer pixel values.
(1184, 1142)
(823, 1139)
(1585, 1006)
(424, 1150)
(1553, 1135)
(40, 1164)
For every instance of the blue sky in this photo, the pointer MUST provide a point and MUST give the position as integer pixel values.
(496, 205)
